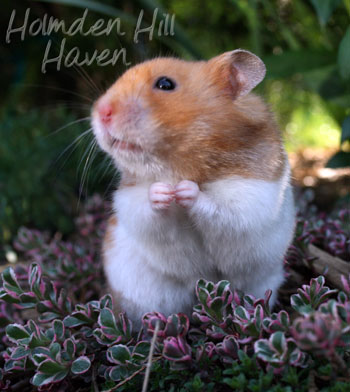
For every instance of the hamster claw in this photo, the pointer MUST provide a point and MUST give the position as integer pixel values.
(161, 195)
(186, 193)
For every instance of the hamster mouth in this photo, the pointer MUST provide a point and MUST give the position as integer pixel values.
(123, 145)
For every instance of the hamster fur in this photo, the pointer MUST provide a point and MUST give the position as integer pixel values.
(205, 189)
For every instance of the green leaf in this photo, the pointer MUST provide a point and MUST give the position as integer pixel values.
(203, 296)
(242, 313)
(40, 379)
(34, 280)
(47, 316)
(201, 283)
(320, 280)
(299, 305)
(222, 286)
(344, 56)
(345, 130)
(106, 301)
(28, 301)
(283, 315)
(60, 375)
(10, 281)
(20, 352)
(216, 306)
(50, 367)
(16, 332)
(340, 159)
(58, 328)
(80, 365)
(324, 9)
(118, 354)
(38, 358)
(70, 347)
(55, 349)
(106, 318)
(76, 319)
(263, 349)
(278, 341)
(117, 373)
(9, 277)
(8, 298)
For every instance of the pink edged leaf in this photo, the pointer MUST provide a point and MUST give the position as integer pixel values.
(81, 365)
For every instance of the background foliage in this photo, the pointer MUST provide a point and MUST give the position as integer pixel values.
(305, 45)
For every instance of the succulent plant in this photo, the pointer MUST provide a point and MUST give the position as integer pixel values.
(310, 297)
(279, 351)
(57, 333)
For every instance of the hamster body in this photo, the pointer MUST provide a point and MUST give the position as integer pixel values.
(205, 189)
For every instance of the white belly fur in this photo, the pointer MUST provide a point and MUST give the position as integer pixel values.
(238, 231)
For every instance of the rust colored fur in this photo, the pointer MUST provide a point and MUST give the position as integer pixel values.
(107, 244)
(199, 144)
(109, 238)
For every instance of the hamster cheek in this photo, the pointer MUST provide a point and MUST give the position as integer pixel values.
(161, 195)
(186, 193)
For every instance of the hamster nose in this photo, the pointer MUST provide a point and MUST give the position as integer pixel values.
(105, 111)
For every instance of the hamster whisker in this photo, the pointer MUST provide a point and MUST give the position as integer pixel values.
(68, 125)
(72, 147)
(66, 104)
(104, 165)
(73, 143)
(90, 100)
(87, 166)
(93, 156)
(86, 152)
(115, 176)
(52, 107)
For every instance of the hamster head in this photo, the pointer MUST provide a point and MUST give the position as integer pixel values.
(185, 119)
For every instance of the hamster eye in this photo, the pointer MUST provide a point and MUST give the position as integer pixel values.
(164, 83)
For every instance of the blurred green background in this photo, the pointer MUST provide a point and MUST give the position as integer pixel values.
(48, 163)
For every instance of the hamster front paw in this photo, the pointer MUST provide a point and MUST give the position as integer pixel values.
(186, 193)
(161, 195)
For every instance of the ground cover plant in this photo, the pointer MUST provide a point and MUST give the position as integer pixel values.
(59, 332)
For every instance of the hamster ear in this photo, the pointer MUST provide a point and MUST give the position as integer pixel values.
(244, 70)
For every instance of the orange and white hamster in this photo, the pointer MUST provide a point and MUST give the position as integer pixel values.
(205, 189)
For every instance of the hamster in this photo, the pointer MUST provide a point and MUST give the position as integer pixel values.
(205, 189)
